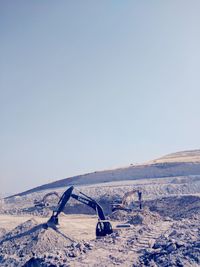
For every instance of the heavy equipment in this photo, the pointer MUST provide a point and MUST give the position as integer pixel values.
(103, 226)
(127, 199)
(47, 199)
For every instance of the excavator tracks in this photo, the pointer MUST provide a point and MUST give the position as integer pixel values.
(148, 239)
(124, 250)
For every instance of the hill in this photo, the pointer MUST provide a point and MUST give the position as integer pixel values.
(185, 163)
(183, 156)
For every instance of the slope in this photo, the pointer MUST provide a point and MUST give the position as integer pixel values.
(184, 163)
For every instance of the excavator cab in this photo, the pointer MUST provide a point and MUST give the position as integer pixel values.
(103, 228)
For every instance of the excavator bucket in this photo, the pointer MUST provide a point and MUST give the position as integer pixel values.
(103, 228)
(52, 222)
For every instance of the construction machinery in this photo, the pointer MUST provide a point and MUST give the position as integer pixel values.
(103, 226)
(45, 202)
(127, 199)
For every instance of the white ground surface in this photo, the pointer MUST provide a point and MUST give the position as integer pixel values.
(79, 227)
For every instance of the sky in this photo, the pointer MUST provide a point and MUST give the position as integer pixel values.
(93, 85)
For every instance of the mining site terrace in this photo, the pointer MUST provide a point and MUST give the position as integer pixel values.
(164, 232)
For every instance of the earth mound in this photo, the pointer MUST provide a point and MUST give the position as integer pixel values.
(176, 207)
(138, 217)
(34, 241)
(119, 215)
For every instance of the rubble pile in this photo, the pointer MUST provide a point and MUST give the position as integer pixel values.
(23, 206)
(32, 242)
(179, 246)
(33, 211)
(119, 215)
(144, 216)
(2, 231)
(43, 212)
(137, 217)
(176, 207)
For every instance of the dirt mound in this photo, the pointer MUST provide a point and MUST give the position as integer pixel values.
(119, 215)
(136, 219)
(144, 216)
(30, 240)
(176, 207)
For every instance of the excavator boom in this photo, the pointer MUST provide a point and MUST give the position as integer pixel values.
(63, 200)
(126, 199)
(91, 203)
(44, 202)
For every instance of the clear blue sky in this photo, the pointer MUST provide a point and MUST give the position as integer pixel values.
(92, 85)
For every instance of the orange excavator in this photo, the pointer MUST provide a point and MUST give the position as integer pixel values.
(127, 200)
(45, 202)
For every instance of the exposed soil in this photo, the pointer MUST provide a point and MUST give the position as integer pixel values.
(34, 242)
(164, 233)
(179, 246)
(176, 207)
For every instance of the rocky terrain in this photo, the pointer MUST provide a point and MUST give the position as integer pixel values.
(178, 246)
(150, 240)
(165, 232)
(33, 242)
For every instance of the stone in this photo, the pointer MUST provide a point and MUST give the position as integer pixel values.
(171, 247)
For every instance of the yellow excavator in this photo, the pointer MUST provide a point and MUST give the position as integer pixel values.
(127, 200)
(47, 199)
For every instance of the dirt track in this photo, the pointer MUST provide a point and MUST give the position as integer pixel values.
(78, 226)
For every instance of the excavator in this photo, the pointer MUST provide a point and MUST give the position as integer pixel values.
(103, 226)
(127, 199)
(44, 202)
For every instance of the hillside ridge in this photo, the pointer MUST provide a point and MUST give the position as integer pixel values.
(183, 163)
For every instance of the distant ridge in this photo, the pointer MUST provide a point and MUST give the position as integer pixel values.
(182, 156)
(184, 163)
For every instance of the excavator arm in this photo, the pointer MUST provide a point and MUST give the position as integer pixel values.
(92, 204)
(126, 199)
(44, 202)
(103, 227)
(53, 221)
